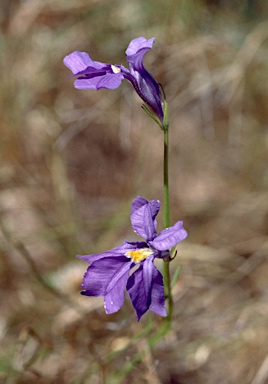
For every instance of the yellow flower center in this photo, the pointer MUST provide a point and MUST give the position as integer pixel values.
(139, 254)
(115, 69)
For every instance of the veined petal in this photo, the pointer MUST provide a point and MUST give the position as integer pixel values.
(146, 290)
(99, 275)
(79, 61)
(143, 215)
(93, 74)
(115, 252)
(157, 294)
(147, 88)
(136, 291)
(148, 267)
(139, 43)
(143, 82)
(108, 80)
(114, 299)
(169, 237)
(99, 75)
(139, 201)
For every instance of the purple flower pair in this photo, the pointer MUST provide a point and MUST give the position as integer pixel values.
(131, 265)
(95, 75)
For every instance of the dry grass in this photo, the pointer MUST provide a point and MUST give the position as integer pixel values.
(71, 162)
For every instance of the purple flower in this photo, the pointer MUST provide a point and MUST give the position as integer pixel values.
(95, 75)
(131, 265)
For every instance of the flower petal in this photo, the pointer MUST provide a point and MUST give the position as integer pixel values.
(99, 75)
(143, 82)
(139, 43)
(139, 201)
(114, 299)
(79, 61)
(169, 237)
(136, 287)
(108, 80)
(157, 294)
(115, 252)
(102, 275)
(146, 290)
(96, 75)
(143, 215)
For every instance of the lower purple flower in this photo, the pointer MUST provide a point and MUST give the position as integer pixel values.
(131, 265)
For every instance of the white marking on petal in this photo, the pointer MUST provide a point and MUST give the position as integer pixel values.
(115, 69)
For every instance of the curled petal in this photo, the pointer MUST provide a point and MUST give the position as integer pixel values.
(139, 201)
(142, 217)
(139, 43)
(143, 82)
(169, 237)
(96, 75)
(79, 61)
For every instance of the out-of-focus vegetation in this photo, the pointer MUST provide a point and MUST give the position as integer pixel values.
(71, 162)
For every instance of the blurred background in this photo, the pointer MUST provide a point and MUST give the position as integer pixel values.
(71, 162)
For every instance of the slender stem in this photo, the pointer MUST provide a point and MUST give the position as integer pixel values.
(166, 269)
(165, 128)
(166, 187)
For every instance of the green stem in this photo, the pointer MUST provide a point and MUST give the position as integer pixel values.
(166, 267)
(166, 188)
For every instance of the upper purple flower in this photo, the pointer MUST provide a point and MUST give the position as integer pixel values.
(112, 271)
(95, 75)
